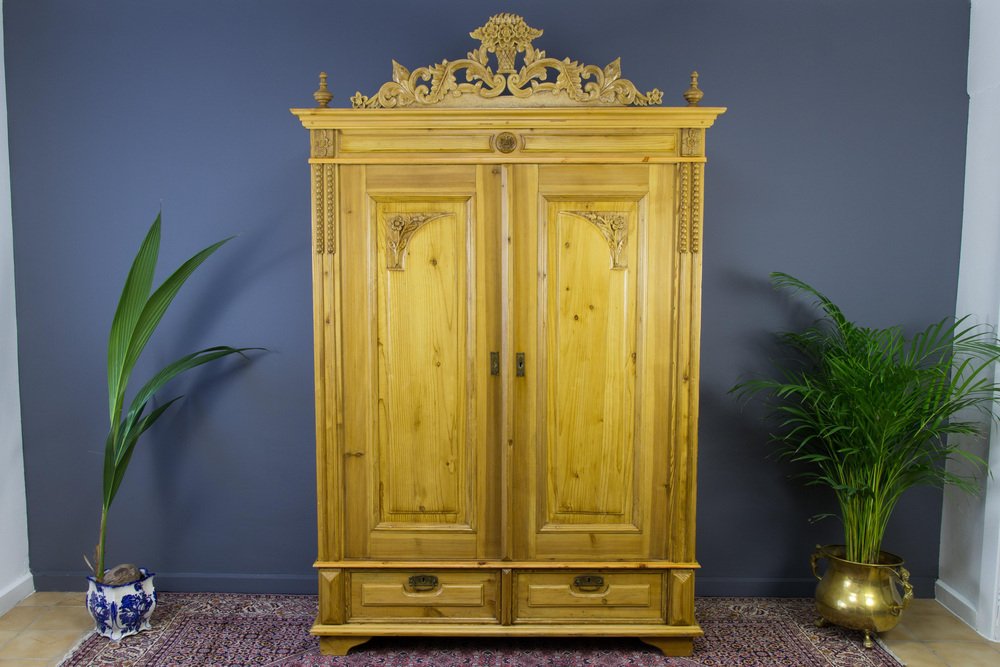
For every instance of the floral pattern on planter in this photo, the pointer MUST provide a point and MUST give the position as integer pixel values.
(123, 610)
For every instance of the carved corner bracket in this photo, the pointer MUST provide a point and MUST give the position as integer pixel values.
(399, 228)
(691, 179)
(614, 228)
(507, 35)
(692, 142)
(323, 143)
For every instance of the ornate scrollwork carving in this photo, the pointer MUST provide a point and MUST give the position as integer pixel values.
(614, 228)
(398, 230)
(507, 35)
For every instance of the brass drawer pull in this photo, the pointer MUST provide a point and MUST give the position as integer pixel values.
(588, 582)
(494, 363)
(423, 582)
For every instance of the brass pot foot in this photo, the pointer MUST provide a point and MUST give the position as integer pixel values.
(868, 643)
(822, 622)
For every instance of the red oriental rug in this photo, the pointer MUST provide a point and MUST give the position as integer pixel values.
(235, 630)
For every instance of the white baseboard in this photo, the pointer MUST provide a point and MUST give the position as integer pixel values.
(19, 589)
(956, 603)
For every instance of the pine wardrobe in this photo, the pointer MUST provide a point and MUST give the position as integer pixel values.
(506, 280)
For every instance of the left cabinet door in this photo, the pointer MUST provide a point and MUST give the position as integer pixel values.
(421, 315)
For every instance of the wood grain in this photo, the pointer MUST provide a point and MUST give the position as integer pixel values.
(507, 487)
(331, 586)
(408, 629)
(590, 308)
(553, 597)
(340, 645)
(418, 470)
(422, 320)
(458, 596)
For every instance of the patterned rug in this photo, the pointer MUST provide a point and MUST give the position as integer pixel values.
(226, 630)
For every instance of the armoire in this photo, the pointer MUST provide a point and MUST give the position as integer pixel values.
(506, 284)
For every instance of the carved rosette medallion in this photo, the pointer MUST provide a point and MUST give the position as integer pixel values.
(614, 228)
(692, 142)
(399, 228)
(540, 81)
(689, 218)
(324, 143)
(506, 142)
(324, 208)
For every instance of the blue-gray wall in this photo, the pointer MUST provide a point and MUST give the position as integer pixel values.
(840, 160)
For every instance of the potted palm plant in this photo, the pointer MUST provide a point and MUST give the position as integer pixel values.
(870, 413)
(122, 599)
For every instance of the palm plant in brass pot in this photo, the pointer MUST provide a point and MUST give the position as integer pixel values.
(869, 413)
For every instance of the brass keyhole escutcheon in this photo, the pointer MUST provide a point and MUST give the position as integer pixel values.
(506, 142)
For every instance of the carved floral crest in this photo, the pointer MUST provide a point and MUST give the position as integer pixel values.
(614, 228)
(399, 229)
(541, 81)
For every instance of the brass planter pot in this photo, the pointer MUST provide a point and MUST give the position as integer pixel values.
(861, 596)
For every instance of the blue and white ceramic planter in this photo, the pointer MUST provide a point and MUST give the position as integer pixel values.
(123, 610)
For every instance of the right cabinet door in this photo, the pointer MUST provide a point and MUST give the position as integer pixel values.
(592, 250)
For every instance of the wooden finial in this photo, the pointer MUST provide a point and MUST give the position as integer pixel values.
(322, 94)
(693, 94)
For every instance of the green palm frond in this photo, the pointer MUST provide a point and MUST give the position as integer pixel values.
(869, 411)
(136, 318)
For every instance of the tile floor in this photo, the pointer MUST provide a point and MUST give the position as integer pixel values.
(928, 635)
(40, 630)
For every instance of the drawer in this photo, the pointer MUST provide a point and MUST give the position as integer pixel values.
(427, 596)
(588, 597)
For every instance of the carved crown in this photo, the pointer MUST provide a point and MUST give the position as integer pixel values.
(506, 36)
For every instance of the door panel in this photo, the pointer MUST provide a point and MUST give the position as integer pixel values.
(590, 305)
(428, 433)
(583, 447)
(423, 447)
(569, 265)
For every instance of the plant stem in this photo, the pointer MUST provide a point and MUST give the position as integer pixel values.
(99, 565)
